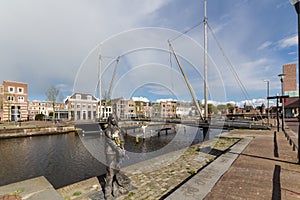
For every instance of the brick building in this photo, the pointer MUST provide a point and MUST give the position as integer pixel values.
(290, 81)
(168, 109)
(13, 101)
(290, 88)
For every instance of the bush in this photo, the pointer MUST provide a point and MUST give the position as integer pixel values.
(39, 117)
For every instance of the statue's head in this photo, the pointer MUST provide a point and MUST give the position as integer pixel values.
(112, 119)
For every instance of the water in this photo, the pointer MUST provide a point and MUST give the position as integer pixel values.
(69, 158)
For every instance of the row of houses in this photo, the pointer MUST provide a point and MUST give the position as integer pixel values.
(87, 107)
(15, 106)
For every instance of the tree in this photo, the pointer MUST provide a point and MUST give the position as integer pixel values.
(230, 107)
(211, 108)
(52, 94)
(221, 107)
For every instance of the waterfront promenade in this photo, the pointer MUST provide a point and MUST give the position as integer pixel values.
(265, 169)
(262, 165)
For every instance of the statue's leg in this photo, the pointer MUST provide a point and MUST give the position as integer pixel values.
(118, 187)
(110, 172)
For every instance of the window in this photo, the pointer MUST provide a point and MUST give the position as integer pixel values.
(20, 90)
(78, 96)
(89, 98)
(10, 98)
(78, 115)
(11, 89)
(20, 99)
(78, 105)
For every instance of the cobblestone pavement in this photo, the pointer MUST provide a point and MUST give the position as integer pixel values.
(266, 169)
(155, 178)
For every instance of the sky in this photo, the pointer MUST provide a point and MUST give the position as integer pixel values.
(58, 43)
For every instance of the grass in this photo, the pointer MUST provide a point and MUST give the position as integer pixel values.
(77, 193)
(192, 150)
(192, 172)
(17, 192)
(225, 142)
(131, 194)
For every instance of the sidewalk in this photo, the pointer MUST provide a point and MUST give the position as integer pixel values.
(266, 169)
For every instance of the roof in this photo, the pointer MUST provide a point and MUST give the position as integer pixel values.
(291, 102)
(14, 82)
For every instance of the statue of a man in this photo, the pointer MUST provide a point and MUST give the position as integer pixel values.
(114, 147)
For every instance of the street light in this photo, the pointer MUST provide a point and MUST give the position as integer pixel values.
(268, 105)
(296, 4)
(282, 101)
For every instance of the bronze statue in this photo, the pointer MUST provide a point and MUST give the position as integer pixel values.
(116, 182)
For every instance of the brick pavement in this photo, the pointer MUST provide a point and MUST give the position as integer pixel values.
(266, 169)
(157, 177)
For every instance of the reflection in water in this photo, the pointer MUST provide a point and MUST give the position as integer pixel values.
(65, 159)
(62, 159)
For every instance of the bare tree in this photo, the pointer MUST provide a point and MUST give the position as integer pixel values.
(52, 95)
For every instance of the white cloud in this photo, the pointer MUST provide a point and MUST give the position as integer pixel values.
(264, 45)
(143, 99)
(288, 42)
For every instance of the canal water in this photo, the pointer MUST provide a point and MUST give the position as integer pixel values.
(69, 158)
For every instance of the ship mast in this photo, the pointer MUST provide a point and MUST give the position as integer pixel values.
(205, 63)
(100, 87)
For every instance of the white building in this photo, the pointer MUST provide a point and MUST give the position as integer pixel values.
(42, 107)
(82, 107)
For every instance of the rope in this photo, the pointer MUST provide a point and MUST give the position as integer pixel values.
(232, 69)
(171, 65)
(183, 33)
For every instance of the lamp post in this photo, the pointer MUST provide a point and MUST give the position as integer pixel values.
(268, 102)
(296, 4)
(281, 76)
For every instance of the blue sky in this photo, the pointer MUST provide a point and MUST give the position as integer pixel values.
(49, 43)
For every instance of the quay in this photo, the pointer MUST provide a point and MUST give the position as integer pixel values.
(241, 164)
(27, 129)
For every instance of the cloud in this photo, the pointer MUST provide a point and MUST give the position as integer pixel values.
(288, 42)
(264, 45)
(42, 42)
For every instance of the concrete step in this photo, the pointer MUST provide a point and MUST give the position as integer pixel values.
(32, 189)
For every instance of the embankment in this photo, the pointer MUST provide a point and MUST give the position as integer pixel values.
(34, 131)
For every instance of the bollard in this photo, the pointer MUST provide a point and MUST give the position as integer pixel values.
(294, 147)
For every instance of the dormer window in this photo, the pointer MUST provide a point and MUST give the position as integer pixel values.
(78, 96)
